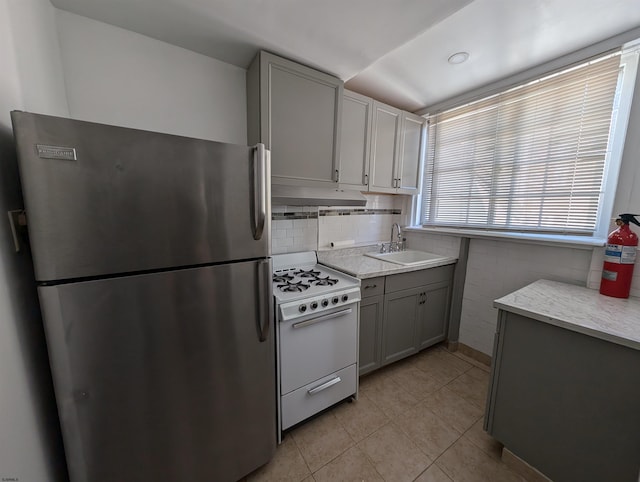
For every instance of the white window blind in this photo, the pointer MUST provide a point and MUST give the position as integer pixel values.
(528, 159)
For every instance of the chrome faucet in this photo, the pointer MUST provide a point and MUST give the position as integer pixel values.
(396, 225)
(398, 243)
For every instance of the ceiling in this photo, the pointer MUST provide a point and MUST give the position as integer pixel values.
(395, 51)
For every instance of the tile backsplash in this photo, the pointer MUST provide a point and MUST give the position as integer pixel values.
(306, 228)
(294, 228)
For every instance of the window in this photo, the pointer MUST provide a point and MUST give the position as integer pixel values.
(533, 158)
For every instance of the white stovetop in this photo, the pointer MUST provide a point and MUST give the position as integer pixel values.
(293, 266)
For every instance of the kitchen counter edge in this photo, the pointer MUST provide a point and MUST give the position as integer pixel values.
(578, 309)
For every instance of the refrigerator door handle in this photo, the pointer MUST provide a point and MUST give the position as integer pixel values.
(260, 173)
(265, 311)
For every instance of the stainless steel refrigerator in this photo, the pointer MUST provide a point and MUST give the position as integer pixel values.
(152, 258)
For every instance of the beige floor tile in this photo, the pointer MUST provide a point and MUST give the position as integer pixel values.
(483, 440)
(353, 465)
(416, 382)
(453, 409)
(464, 462)
(369, 382)
(287, 465)
(389, 397)
(441, 365)
(470, 388)
(361, 417)
(394, 455)
(433, 474)
(321, 440)
(480, 374)
(430, 433)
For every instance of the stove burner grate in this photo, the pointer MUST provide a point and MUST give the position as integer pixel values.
(325, 281)
(293, 287)
(282, 278)
(307, 273)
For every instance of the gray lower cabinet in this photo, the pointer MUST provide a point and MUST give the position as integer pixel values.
(371, 311)
(433, 314)
(565, 402)
(403, 314)
(296, 111)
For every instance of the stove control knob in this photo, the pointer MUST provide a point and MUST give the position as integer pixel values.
(335, 300)
(314, 305)
(345, 298)
(324, 303)
(302, 308)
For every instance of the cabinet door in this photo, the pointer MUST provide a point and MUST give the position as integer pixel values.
(385, 146)
(369, 350)
(401, 311)
(413, 135)
(357, 113)
(434, 314)
(299, 120)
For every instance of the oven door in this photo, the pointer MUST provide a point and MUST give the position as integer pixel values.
(314, 346)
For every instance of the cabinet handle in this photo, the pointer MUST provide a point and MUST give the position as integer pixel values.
(366, 179)
(370, 286)
(337, 175)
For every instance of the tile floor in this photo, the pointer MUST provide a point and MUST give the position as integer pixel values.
(418, 419)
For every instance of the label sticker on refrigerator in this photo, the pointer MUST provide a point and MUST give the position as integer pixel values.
(56, 152)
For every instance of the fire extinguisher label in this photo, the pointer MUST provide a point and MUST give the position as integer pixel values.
(616, 253)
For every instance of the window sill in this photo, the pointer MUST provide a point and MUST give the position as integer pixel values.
(580, 242)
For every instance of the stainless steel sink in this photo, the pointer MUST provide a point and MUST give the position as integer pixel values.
(407, 258)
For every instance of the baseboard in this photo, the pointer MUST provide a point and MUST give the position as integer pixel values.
(515, 463)
(472, 353)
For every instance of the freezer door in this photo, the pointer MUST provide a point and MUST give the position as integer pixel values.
(103, 199)
(165, 376)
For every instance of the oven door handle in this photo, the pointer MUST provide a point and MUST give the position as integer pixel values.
(324, 386)
(313, 321)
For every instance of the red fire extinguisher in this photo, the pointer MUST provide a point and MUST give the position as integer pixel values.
(619, 257)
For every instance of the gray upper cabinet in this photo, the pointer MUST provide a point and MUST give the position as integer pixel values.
(385, 148)
(397, 150)
(296, 112)
(413, 135)
(357, 115)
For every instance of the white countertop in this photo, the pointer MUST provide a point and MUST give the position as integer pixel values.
(355, 263)
(578, 309)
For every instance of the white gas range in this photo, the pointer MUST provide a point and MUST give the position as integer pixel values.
(317, 313)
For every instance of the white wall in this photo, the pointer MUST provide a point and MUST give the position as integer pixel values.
(115, 76)
(496, 268)
(442, 244)
(30, 444)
